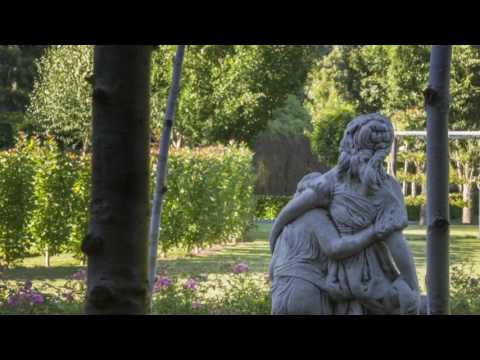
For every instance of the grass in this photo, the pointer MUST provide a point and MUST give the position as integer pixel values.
(464, 247)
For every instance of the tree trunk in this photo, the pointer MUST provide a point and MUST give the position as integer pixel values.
(405, 184)
(117, 240)
(393, 157)
(414, 189)
(438, 218)
(160, 188)
(423, 208)
(468, 199)
(47, 257)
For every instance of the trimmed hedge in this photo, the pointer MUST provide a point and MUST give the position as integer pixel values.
(209, 199)
(16, 191)
(45, 196)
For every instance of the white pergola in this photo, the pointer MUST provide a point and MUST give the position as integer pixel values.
(423, 134)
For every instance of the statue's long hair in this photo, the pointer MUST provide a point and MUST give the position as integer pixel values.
(357, 139)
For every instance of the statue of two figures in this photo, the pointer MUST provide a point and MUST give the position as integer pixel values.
(338, 247)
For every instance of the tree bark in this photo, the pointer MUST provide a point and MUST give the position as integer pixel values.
(117, 240)
(468, 199)
(393, 157)
(161, 175)
(423, 207)
(438, 218)
(47, 257)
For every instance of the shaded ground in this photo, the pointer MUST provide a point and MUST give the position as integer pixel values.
(464, 247)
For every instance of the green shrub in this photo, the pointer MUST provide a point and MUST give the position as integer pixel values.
(16, 176)
(45, 196)
(80, 202)
(53, 179)
(464, 290)
(268, 206)
(209, 199)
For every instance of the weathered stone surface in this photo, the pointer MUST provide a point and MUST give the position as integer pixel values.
(338, 247)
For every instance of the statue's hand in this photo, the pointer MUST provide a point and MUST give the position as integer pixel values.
(387, 225)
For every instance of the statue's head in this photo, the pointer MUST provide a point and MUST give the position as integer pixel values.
(365, 145)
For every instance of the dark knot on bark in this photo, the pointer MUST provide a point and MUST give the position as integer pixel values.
(92, 245)
(430, 95)
(440, 223)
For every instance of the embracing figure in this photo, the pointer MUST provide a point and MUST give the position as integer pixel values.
(337, 246)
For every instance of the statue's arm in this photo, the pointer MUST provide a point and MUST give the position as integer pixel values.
(403, 258)
(397, 243)
(295, 208)
(338, 247)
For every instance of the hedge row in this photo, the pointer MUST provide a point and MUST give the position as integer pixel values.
(268, 207)
(45, 194)
(210, 197)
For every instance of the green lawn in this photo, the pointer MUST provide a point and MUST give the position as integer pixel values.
(465, 247)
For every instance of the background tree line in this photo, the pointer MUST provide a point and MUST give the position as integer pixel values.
(391, 79)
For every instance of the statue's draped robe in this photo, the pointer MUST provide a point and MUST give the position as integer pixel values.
(366, 283)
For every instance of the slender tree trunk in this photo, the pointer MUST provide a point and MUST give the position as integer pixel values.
(117, 240)
(414, 189)
(405, 183)
(160, 188)
(438, 218)
(393, 157)
(47, 257)
(468, 199)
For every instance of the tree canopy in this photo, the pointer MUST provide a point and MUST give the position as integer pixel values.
(229, 92)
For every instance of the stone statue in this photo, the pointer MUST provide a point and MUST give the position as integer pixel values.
(337, 246)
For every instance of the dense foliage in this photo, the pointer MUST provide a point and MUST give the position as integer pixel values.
(17, 73)
(229, 92)
(16, 191)
(210, 197)
(45, 193)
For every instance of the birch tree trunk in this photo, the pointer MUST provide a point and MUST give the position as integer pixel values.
(438, 218)
(117, 240)
(468, 199)
(160, 189)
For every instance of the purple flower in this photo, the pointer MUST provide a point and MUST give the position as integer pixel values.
(196, 305)
(13, 300)
(240, 268)
(191, 284)
(161, 283)
(37, 298)
(80, 275)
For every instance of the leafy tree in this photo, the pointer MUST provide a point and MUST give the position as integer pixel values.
(290, 119)
(16, 175)
(52, 200)
(17, 72)
(60, 103)
(229, 92)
